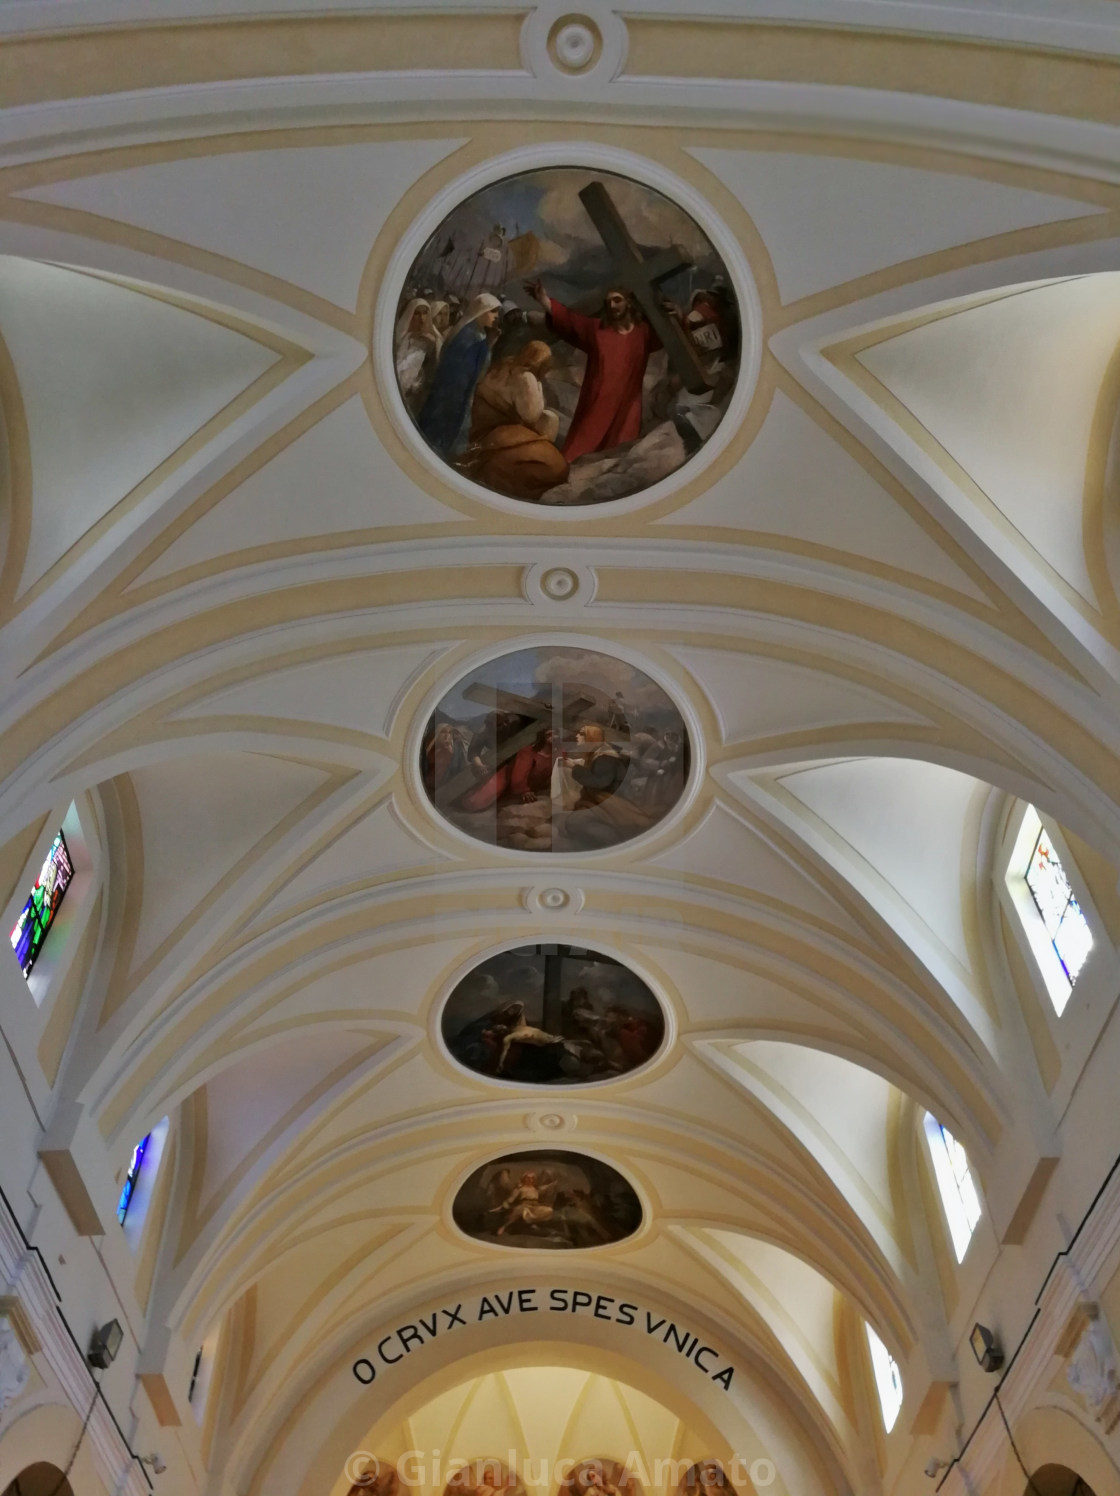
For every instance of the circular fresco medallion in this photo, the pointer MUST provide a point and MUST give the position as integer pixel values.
(554, 749)
(555, 1015)
(567, 336)
(547, 1199)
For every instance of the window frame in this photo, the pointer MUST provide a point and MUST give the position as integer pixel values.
(139, 1204)
(51, 920)
(203, 1375)
(1031, 934)
(881, 1360)
(948, 1185)
(1031, 825)
(1076, 1029)
(64, 935)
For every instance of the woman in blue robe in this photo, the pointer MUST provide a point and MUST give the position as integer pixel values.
(445, 417)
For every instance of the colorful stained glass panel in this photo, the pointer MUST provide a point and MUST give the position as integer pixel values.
(131, 1177)
(1054, 899)
(42, 905)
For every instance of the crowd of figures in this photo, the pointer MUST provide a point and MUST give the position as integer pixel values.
(589, 785)
(599, 1476)
(563, 404)
(554, 1200)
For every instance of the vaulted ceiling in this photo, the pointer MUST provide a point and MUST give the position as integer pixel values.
(234, 584)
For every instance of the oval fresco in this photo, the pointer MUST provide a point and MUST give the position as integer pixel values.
(552, 1015)
(485, 1477)
(600, 1477)
(549, 1199)
(567, 337)
(378, 1478)
(554, 749)
(706, 1478)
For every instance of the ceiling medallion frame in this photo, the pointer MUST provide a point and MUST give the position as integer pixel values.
(596, 158)
(558, 1095)
(546, 60)
(545, 1143)
(464, 665)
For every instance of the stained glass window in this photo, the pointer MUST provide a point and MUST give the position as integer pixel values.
(954, 1180)
(38, 913)
(194, 1375)
(131, 1177)
(888, 1379)
(1062, 918)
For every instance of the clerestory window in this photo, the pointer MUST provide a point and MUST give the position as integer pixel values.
(1052, 917)
(888, 1379)
(954, 1180)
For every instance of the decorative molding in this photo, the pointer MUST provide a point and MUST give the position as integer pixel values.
(573, 44)
(558, 589)
(15, 1364)
(26, 1284)
(550, 1122)
(13, 1311)
(1091, 1369)
(1067, 1311)
(564, 44)
(1086, 25)
(553, 899)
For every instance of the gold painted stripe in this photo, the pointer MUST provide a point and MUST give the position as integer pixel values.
(115, 59)
(1011, 77)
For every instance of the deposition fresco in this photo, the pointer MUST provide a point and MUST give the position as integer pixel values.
(553, 749)
(484, 1478)
(378, 1478)
(567, 337)
(547, 1199)
(600, 1477)
(552, 1015)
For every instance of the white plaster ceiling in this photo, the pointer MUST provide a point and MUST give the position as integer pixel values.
(285, 500)
(199, 818)
(1044, 353)
(361, 690)
(798, 481)
(878, 213)
(136, 377)
(756, 697)
(907, 820)
(268, 208)
(296, 910)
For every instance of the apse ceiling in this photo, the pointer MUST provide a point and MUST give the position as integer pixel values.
(876, 606)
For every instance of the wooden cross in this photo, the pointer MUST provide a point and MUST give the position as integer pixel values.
(552, 1003)
(540, 717)
(642, 277)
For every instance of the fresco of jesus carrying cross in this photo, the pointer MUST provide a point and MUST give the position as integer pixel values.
(615, 343)
(620, 340)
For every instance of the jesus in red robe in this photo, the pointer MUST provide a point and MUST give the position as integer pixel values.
(618, 345)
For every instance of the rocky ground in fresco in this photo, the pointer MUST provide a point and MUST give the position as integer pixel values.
(625, 470)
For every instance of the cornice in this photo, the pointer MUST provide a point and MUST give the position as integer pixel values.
(1074, 1281)
(24, 1277)
(1051, 142)
(1084, 25)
